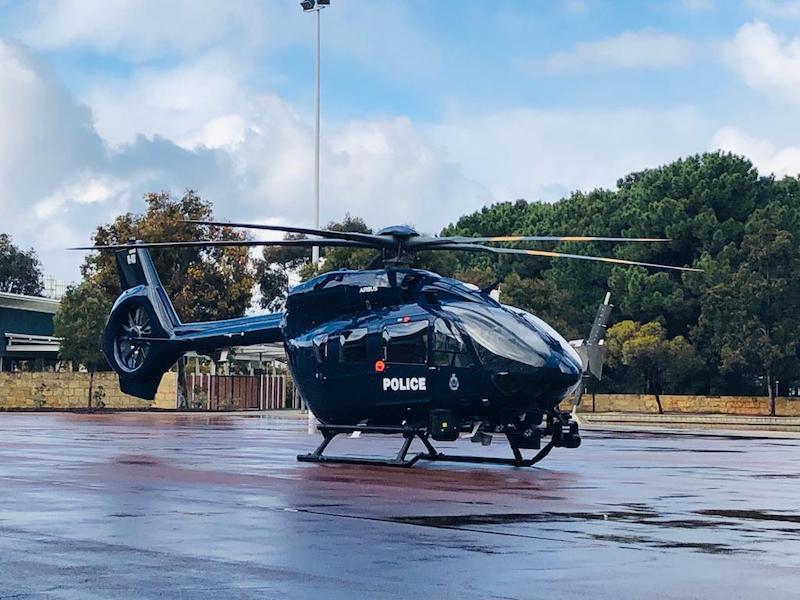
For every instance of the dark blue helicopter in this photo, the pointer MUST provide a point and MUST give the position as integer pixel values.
(389, 349)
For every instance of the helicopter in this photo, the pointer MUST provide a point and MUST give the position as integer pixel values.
(390, 349)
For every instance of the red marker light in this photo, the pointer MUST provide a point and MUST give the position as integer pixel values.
(379, 366)
(406, 319)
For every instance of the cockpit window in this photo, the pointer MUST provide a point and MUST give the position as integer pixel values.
(353, 346)
(449, 349)
(406, 342)
(553, 337)
(501, 333)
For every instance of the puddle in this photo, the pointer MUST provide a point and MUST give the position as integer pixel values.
(138, 461)
(756, 515)
(506, 518)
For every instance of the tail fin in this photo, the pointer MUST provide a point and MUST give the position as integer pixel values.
(592, 350)
(138, 341)
(135, 267)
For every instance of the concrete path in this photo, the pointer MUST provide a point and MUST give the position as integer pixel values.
(709, 421)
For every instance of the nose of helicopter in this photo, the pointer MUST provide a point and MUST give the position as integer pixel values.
(559, 374)
(569, 367)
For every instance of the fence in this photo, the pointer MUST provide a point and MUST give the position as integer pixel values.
(238, 392)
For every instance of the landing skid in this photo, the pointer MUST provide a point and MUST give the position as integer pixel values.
(402, 460)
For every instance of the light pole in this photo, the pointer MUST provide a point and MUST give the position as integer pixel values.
(312, 6)
(316, 7)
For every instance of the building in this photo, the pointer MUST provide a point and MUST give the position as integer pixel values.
(26, 333)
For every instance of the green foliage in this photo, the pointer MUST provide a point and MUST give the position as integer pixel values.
(39, 393)
(98, 397)
(203, 283)
(731, 329)
(277, 264)
(20, 271)
(80, 321)
(751, 320)
(720, 215)
(347, 258)
(543, 298)
(200, 397)
(646, 350)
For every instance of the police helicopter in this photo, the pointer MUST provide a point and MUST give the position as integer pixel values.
(390, 349)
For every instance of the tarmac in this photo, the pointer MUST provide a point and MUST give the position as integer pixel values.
(215, 506)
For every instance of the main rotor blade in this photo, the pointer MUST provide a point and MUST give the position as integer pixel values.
(228, 243)
(378, 241)
(528, 238)
(519, 251)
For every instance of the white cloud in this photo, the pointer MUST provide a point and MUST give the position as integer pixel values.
(252, 156)
(59, 179)
(784, 9)
(544, 154)
(253, 162)
(87, 188)
(145, 29)
(764, 154)
(766, 62)
(160, 31)
(646, 49)
(197, 103)
(45, 136)
(385, 170)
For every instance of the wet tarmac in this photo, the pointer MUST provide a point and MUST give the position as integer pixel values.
(197, 506)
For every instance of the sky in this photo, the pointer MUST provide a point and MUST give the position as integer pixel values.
(430, 109)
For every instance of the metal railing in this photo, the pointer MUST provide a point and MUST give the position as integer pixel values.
(238, 392)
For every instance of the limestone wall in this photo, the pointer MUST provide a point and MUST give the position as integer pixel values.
(726, 405)
(70, 390)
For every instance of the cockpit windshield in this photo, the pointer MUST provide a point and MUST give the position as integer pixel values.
(501, 333)
(554, 336)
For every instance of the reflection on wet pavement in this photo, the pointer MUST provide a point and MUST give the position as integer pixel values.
(141, 505)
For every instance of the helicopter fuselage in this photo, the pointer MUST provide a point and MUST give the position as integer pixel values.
(388, 347)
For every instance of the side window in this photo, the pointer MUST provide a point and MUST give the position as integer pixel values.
(321, 347)
(353, 346)
(449, 349)
(406, 342)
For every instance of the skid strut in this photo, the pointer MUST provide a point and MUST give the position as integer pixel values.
(402, 460)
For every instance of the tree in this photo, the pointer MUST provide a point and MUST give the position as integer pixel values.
(705, 205)
(646, 349)
(274, 268)
(752, 319)
(80, 321)
(20, 271)
(203, 283)
(279, 264)
(544, 299)
(348, 258)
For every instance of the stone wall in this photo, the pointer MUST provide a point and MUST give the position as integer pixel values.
(725, 405)
(70, 390)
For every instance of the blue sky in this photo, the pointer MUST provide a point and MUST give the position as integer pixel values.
(430, 109)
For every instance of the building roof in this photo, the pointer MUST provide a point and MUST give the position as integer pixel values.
(23, 342)
(31, 303)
